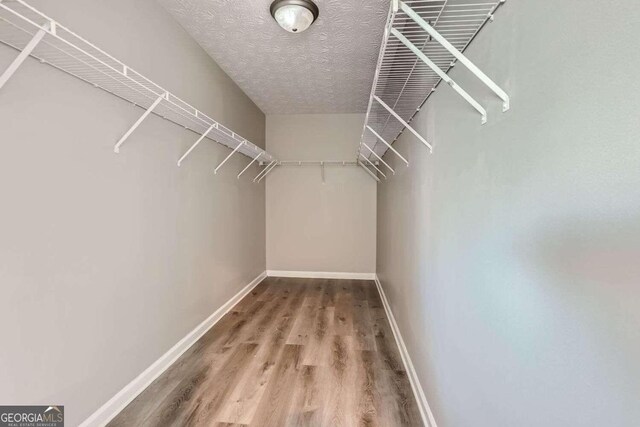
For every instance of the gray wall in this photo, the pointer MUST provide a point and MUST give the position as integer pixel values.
(315, 226)
(510, 255)
(106, 261)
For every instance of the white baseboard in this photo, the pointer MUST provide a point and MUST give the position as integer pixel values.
(118, 402)
(321, 275)
(423, 405)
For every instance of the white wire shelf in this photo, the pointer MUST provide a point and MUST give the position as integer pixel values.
(33, 33)
(404, 80)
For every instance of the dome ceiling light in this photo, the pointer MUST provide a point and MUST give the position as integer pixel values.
(294, 16)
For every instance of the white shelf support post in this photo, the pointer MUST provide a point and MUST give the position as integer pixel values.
(405, 124)
(371, 174)
(370, 129)
(263, 170)
(441, 74)
(275, 164)
(203, 136)
(228, 157)
(24, 54)
(379, 158)
(374, 166)
(137, 123)
(456, 53)
(249, 165)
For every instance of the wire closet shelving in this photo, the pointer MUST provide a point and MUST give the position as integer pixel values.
(35, 34)
(423, 39)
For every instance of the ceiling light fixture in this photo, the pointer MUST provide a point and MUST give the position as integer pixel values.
(294, 16)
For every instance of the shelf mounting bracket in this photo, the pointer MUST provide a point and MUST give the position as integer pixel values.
(228, 157)
(444, 76)
(371, 174)
(140, 120)
(203, 136)
(370, 129)
(457, 54)
(405, 124)
(379, 158)
(374, 166)
(263, 170)
(249, 165)
(275, 163)
(24, 54)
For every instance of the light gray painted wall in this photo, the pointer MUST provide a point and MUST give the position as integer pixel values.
(107, 261)
(510, 255)
(312, 226)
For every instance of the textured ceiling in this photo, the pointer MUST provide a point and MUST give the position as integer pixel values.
(327, 69)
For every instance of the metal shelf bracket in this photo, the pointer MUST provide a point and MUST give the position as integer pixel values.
(275, 164)
(24, 54)
(457, 54)
(374, 166)
(249, 165)
(116, 148)
(379, 158)
(387, 144)
(203, 136)
(215, 171)
(441, 74)
(264, 170)
(401, 120)
(371, 174)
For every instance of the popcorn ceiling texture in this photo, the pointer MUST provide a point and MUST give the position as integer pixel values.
(327, 69)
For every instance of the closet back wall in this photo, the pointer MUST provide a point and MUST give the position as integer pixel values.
(314, 226)
(106, 260)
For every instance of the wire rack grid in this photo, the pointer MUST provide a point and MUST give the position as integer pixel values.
(402, 80)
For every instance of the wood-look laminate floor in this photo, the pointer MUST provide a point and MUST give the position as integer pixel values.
(294, 352)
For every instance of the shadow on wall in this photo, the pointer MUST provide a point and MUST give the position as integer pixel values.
(590, 288)
(596, 253)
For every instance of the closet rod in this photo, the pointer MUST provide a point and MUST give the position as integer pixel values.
(316, 163)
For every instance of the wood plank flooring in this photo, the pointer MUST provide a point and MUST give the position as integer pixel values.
(294, 352)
